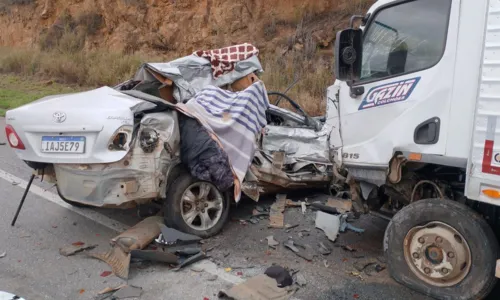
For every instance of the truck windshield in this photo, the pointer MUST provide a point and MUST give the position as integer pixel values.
(405, 38)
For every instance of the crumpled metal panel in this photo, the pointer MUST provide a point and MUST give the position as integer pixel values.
(192, 73)
(298, 143)
(134, 179)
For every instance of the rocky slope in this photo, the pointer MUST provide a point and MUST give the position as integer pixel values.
(180, 26)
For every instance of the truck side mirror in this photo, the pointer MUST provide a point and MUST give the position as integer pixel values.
(348, 54)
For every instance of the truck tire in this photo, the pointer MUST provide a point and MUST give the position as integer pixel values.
(442, 249)
(195, 207)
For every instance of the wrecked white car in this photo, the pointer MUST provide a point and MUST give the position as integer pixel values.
(137, 142)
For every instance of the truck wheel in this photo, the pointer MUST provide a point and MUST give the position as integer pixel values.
(196, 207)
(442, 249)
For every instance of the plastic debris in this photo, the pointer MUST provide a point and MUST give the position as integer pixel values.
(254, 220)
(303, 207)
(117, 259)
(3, 254)
(128, 291)
(290, 244)
(170, 236)
(72, 249)
(155, 255)
(276, 216)
(324, 250)
(355, 229)
(271, 242)
(260, 287)
(342, 205)
(348, 248)
(325, 263)
(300, 280)
(330, 224)
(282, 276)
(190, 260)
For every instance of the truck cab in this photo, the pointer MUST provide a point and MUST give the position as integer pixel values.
(418, 94)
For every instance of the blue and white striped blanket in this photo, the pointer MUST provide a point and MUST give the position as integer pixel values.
(236, 118)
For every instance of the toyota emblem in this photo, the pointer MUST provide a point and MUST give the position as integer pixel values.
(59, 117)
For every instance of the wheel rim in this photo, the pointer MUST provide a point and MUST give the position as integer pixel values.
(437, 253)
(202, 205)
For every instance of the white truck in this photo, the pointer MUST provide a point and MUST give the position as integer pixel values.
(418, 95)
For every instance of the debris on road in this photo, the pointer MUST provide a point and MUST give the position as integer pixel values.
(303, 253)
(3, 143)
(261, 287)
(341, 205)
(155, 255)
(300, 280)
(290, 203)
(271, 242)
(186, 261)
(362, 264)
(117, 259)
(324, 250)
(355, 274)
(303, 207)
(139, 235)
(330, 224)
(289, 226)
(109, 290)
(77, 244)
(3, 254)
(325, 263)
(281, 275)
(355, 229)
(73, 249)
(348, 248)
(128, 291)
(212, 277)
(276, 216)
(258, 213)
(15, 183)
(170, 236)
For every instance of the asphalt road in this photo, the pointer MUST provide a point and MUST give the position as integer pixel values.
(33, 268)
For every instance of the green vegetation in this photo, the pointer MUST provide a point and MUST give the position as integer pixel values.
(16, 91)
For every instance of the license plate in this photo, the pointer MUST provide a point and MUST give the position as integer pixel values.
(63, 144)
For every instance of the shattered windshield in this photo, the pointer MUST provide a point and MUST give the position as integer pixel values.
(405, 38)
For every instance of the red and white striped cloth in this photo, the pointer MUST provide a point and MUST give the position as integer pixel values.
(224, 59)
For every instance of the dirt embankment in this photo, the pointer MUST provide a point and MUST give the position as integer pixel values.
(178, 25)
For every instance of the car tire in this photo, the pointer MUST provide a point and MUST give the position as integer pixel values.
(179, 210)
(72, 203)
(419, 220)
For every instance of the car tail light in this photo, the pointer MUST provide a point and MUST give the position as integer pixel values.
(13, 138)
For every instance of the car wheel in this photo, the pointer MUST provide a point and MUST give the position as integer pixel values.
(196, 207)
(72, 203)
(442, 249)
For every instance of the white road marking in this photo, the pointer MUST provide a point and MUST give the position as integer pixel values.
(54, 198)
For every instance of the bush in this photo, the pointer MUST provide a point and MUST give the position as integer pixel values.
(90, 22)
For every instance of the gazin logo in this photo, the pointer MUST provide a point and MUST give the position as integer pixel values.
(389, 93)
